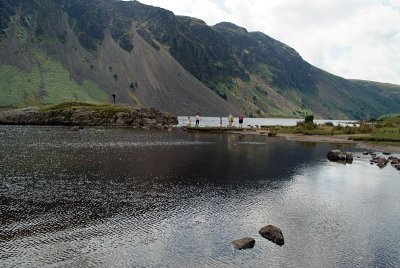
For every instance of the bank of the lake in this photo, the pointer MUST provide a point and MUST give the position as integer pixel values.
(381, 135)
(87, 114)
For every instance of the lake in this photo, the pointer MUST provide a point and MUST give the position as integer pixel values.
(215, 121)
(104, 197)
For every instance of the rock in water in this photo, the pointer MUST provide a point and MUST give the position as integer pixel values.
(349, 157)
(382, 162)
(244, 243)
(336, 155)
(272, 233)
(339, 156)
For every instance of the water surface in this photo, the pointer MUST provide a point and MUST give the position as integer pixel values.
(215, 121)
(125, 198)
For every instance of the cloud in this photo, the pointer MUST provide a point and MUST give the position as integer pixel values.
(357, 39)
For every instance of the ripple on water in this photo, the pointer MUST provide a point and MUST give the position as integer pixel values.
(116, 198)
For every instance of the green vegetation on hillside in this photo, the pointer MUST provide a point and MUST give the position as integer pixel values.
(48, 82)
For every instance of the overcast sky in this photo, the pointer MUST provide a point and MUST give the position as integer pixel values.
(357, 39)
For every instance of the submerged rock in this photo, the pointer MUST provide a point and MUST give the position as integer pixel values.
(244, 243)
(272, 233)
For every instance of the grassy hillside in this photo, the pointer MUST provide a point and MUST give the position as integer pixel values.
(48, 83)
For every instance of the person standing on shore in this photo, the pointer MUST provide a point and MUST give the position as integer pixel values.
(220, 121)
(230, 120)
(197, 119)
(241, 116)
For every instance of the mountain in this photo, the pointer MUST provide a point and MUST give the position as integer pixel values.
(87, 50)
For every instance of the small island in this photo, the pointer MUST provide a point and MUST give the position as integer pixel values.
(88, 114)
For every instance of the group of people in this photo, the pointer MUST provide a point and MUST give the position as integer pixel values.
(230, 120)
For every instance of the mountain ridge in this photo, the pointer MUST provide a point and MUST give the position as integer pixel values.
(148, 56)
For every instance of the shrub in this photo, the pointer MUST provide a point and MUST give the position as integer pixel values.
(365, 128)
(309, 119)
(349, 130)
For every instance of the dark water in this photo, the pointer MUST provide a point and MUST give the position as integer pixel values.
(123, 198)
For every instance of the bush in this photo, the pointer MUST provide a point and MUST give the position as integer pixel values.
(309, 119)
(365, 128)
(349, 130)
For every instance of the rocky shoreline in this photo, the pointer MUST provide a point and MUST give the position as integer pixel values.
(90, 115)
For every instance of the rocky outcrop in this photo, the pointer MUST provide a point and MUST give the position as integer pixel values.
(272, 233)
(395, 162)
(244, 243)
(382, 162)
(90, 116)
(339, 156)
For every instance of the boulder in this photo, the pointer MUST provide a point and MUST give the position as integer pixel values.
(349, 157)
(382, 162)
(272, 233)
(339, 156)
(336, 155)
(244, 243)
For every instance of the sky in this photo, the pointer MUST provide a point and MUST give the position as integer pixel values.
(355, 39)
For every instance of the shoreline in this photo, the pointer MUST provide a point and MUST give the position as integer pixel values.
(333, 139)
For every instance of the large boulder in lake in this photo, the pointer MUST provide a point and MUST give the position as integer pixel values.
(272, 233)
(244, 243)
(339, 156)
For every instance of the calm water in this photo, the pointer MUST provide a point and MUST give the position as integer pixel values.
(215, 121)
(124, 198)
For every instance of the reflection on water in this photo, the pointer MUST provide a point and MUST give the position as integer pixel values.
(123, 198)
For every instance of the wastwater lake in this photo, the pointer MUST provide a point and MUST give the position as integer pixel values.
(253, 122)
(106, 197)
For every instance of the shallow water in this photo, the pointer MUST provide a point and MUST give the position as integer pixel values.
(125, 198)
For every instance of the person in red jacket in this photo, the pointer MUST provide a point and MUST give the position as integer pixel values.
(241, 116)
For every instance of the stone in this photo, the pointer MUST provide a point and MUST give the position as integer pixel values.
(244, 243)
(272, 233)
(339, 156)
(382, 162)
(334, 155)
(349, 157)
